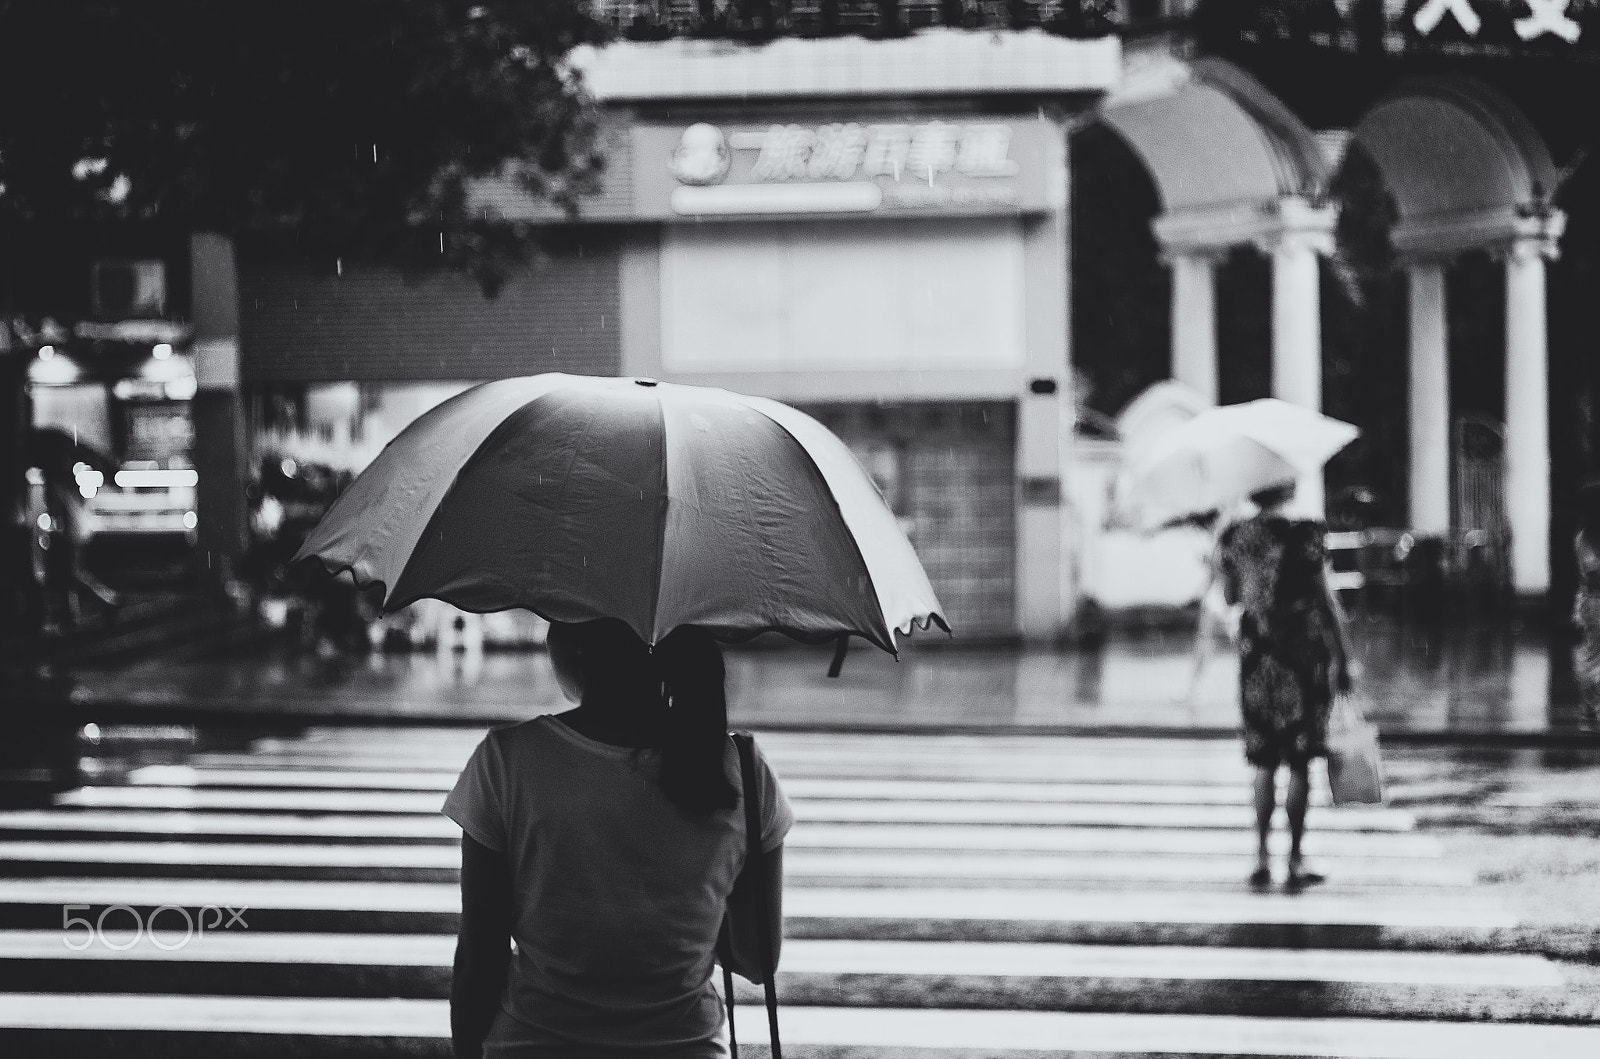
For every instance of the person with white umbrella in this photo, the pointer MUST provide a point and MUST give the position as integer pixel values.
(1292, 639)
(1294, 655)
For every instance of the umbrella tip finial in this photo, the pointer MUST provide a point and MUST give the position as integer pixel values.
(645, 382)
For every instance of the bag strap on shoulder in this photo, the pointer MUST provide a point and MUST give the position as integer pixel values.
(745, 744)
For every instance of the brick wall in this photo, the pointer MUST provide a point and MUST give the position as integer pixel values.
(372, 323)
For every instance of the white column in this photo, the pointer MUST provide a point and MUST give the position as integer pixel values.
(1305, 232)
(1527, 416)
(1429, 400)
(1194, 321)
(1296, 322)
(1047, 537)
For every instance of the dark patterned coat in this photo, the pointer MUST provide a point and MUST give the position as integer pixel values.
(1274, 569)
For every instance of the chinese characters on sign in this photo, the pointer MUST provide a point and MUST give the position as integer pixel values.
(898, 151)
(786, 167)
(1544, 16)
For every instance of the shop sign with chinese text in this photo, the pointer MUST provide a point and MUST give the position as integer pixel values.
(949, 165)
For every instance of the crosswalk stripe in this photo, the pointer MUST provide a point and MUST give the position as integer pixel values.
(173, 824)
(175, 941)
(991, 1032)
(885, 867)
(259, 801)
(822, 810)
(1169, 842)
(802, 787)
(1082, 765)
(1235, 792)
(1449, 910)
(218, 854)
(801, 865)
(348, 779)
(1166, 816)
(172, 943)
(195, 893)
(435, 742)
(994, 1032)
(1156, 962)
(183, 823)
(322, 1016)
(1388, 909)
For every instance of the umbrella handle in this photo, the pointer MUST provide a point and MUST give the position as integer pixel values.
(840, 648)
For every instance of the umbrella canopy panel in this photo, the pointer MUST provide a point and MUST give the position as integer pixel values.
(531, 499)
(756, 534)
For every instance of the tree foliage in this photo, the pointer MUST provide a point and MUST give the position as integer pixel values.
(349, 123)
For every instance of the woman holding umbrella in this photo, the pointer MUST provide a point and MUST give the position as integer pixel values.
(647, 521)
(1293, 646)
(606, 842)
(1294, 654)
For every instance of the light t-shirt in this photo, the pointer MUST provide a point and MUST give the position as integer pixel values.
(617, 895)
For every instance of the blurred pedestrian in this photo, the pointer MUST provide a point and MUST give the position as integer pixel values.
(1294, 654)
(1586, 605)
(607, 842)
(71, 590)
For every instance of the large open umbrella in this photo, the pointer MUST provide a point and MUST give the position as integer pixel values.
(1224, 454)
(659, 504)
(1156, 410)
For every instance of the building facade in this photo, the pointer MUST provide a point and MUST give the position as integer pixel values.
(1382, 210)
(1404, 194)
(874, 231)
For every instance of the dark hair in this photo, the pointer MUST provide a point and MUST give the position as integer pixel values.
(686, 676)
(696, 734)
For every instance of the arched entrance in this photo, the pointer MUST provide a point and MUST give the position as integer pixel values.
(1468, 174)
(1232, 167)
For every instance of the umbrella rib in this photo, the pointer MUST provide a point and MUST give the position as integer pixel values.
(661, 521)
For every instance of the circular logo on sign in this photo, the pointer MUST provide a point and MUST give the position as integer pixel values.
(702, 155)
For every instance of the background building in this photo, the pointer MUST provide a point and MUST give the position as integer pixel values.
(872, 230)
(1382, 210)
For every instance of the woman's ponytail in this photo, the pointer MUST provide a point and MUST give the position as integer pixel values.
(695, 733)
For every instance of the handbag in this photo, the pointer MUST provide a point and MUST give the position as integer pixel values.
(1355, 765)
(745, 743)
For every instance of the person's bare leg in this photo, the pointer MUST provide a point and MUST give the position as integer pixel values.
(1296, 800)
(1266, 790)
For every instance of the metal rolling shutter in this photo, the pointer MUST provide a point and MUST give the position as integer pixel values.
(948, 469)
(373, 324)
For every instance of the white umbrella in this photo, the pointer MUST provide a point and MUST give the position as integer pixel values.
(1155, 411)
(1224, 454)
